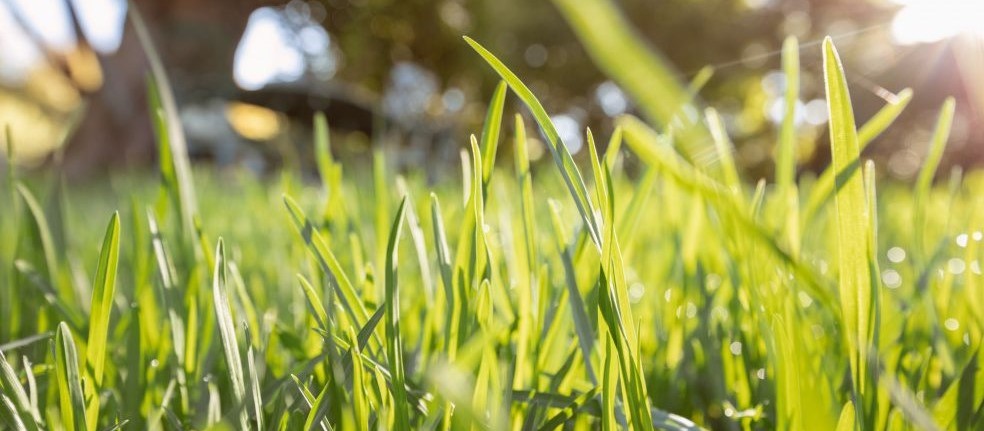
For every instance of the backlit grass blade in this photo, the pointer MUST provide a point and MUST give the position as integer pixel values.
(227, 332)
(103, 291)
(394, 342)
(565, 163)
(823, 189)
(847, 421)
(884, 117)
(490, 134)
(69, 381)
(101, 309)
(852, 222)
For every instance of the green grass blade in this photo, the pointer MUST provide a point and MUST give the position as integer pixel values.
(847, 421)
(103, 291)
(69, 381)
(16, 399)
(227, 332)
(568, 170)
(394, 345)
(852, 222)
(884, 117)
(490, 133)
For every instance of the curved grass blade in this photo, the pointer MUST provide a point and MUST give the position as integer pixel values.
(568, 170)
(15, 398)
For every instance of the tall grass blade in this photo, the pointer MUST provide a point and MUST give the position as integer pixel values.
(227, 332)
(394, 345)
(103, 292)
(853, 225)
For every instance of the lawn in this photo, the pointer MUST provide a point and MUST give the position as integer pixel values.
(575, 294)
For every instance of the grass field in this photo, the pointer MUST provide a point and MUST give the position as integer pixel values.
(566, 296)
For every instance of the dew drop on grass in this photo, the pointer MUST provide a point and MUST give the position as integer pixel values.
(975, 267)
(962, 240)
(154, 363)
(735, 348)
(896, 255)
(760, 374)
(668, 295)
(805, 299)
(951, 324)
(978, 236)
(691, 310)
(823, 266)
(956, 266)
(636, 290)
(891, 278)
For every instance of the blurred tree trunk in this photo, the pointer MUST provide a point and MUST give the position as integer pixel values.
(197, 40)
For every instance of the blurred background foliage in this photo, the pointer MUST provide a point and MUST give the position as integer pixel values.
(248, 75)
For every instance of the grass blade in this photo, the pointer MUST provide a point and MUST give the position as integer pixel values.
(394, 345)
(69, 381)
(103, 291)
(852, 221)
(227, 332)
(568, 170)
